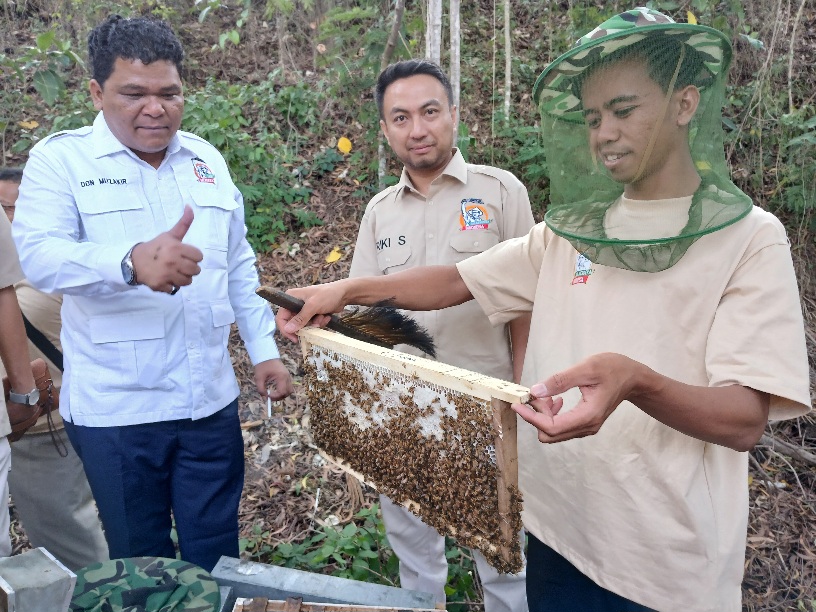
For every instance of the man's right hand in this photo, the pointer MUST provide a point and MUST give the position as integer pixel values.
(166, 263)
(320, 301)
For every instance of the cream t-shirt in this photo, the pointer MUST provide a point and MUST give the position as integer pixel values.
(643, 510)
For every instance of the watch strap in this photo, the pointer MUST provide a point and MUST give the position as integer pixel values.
(25, 398)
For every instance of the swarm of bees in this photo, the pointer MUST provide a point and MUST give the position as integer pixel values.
(425, 446)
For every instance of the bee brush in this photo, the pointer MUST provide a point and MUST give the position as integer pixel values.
(381, 324)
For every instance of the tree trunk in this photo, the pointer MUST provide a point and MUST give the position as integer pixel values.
(399, 8)
(455, 61)
(280, 28)
(433, 32)
(508, 62)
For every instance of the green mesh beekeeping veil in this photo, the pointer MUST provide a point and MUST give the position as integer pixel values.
(583, 196)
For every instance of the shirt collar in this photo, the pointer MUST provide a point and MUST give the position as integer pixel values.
(456, 168)
(105, 143)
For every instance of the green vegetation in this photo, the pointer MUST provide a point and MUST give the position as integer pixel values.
(270, 129)
(358, 550)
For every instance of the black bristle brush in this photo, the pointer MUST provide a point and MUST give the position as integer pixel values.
(381, 324)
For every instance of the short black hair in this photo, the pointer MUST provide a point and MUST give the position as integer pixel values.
(139, 38)
(12, 175)
(405, 69)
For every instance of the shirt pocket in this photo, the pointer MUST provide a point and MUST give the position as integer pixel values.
(223, 316)
(393, 259)
(113, 212)
(468, 243)
(213, 215)
(134, 345)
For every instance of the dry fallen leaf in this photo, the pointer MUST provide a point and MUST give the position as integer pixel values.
(335, 255)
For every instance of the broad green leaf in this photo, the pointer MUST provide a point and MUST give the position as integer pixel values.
(49, 85)
(45, 40)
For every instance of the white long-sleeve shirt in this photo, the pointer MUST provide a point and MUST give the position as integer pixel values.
(133, 355)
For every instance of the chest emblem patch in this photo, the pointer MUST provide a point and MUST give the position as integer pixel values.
(202, 171)
(473, 214)
(583, 270)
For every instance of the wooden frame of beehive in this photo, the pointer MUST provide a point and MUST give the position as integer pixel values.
(259, 604)
(438, 439)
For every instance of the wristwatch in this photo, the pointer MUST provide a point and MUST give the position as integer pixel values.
(128, 271)
(29, 399)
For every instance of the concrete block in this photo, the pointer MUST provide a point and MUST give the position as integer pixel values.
(249, 579)
(35, 581)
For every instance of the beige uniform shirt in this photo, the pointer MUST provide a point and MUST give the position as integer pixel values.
(43, 312)
(10, 273)
(469, 209)
(643, 510)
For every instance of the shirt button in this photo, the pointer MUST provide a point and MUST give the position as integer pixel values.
(476, 243)
(430, 203)
(387, 259)
(430, 235)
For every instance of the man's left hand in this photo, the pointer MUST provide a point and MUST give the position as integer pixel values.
(272, 373)
(605, 380)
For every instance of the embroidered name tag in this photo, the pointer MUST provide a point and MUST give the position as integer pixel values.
(103, 181)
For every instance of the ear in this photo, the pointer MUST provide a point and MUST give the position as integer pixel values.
(384, 131)
(688, 100)
(454, 110)
(96, 93)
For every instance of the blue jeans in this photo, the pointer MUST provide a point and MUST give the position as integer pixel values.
(139, 474)
(555, 585)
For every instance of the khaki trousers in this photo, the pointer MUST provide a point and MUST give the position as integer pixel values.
(54, 501)
(423, 566)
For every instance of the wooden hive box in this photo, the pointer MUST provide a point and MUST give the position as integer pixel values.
(295, 604)
(438, 439)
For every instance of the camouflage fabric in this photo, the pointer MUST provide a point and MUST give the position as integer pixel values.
(554, 87)
(145, 584)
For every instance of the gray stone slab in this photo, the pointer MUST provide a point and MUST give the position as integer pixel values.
(251, 579)
(35, 581)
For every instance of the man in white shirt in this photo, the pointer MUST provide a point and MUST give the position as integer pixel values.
(142, 230)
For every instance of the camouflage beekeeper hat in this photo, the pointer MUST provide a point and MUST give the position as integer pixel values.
(555, 88)
(583, 196)
(145, 584)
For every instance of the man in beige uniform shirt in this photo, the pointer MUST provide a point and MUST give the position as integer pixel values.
(441, 211)
(14, 357)
(47, 480)
(666, 327)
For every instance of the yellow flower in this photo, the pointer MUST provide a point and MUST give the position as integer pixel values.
(28, 125)
(344, 145)
(691, 18)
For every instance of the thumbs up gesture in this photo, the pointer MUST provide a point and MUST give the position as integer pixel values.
(165, 263)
